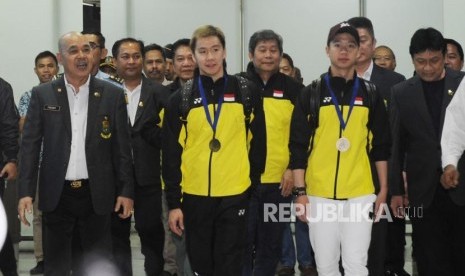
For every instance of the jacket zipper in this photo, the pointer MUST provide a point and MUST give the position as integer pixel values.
(338, 152)
(211, 157)
(210, 173)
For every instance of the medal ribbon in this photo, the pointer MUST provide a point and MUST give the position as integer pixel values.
(336, 103)
(205, 103)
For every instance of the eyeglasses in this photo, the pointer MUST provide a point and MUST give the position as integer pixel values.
(94, 45)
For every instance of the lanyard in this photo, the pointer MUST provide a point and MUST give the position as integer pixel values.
(205, 103)
(336, 103)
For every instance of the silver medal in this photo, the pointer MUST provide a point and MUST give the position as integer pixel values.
(342, 144)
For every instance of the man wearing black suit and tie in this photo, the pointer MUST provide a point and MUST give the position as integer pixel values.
(86, 165)
(145, 99)
(383, 79)
(417, 112)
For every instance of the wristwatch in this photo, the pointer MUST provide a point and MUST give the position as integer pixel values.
(299, 191)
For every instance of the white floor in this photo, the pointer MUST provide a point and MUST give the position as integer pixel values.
(27, 260)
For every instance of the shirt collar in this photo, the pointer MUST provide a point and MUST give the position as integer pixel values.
(367, 74)
(85, 85)
(138, 87)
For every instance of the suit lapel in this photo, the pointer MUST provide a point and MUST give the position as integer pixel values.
(95, 94)
(450, 85)
(144, 95)
(375, 74)
(62, 98)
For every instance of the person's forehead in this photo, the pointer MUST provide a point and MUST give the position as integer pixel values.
(428, 54)
(267, 43)
(383, 51)
(154, 52)
(183, 49)
(75, 41)
(45, 60)
(91, 37)
(209, 41)
(363, 32)
(284, 62)
(451, 47)
(130, 47)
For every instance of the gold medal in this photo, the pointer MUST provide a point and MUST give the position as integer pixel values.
(342, 144)
(106, 132)
(214, 145)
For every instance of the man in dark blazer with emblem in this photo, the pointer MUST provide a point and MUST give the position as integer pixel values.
(145, 99)
(86, 165)
(417, 111)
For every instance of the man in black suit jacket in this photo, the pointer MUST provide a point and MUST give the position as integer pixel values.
(384, 80)
(9, 119)
(417, 111)
(145, 99)
(86, 163)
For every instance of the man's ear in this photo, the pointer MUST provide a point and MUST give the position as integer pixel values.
(59, 58)
(104, 53)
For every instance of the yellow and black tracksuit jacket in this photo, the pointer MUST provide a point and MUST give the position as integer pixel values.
(278, 97)
(187, 159)
(329, 172)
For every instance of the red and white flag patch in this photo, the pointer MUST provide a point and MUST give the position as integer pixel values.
(358, 101)
(278, 93)
(229, 97)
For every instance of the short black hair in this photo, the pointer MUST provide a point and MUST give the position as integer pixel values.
(265, 35)
(101, 38)
(168, 50)
(155, 47)
(45, 54)
(180, 42)
(456, 44)
(427, 39)
(363, 23)
(289, 59)
(117, 45)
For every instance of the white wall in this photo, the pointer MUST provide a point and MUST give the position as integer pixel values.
(454, 20)
(164, 22)
(304, 26)
(395, 21)
(31, 26)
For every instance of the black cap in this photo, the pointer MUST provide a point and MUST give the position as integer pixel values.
(343, 27)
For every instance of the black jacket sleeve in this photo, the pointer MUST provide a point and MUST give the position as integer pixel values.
(257, 153)
(31, 142)
(172, 151)
(397, 160)
(9, 119)
(379, 126)
(301, 130)
(151, 131)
